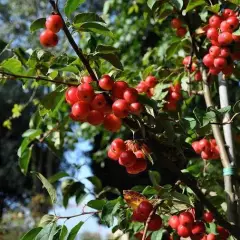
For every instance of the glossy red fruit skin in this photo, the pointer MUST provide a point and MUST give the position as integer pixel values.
(80, 110)
(196, 147)
(187, 60)
(215, 21)
(222, 232)
(145, 208)
(54, 23)
(204, 145)
(214, 71)
(74, 118)
(127, 159)
(226, 27)
(175, 88)
(113, 155)
(112, 123)
(139, 154)
(130, 95)
(225, 38)
(208, 217)
(138, 217)
(118, 145)
(225, 52)
(198, 228)
(142, 87)
(171, 106)
(85, 92)
(48, 39)
(228, 13)
(233, 22)
(175, 96)
(212, 34)
(214, 51)
(181, 32)
(176, 23)
(155, 223)
(183, 231)
(198, 76)
(173, 222)
(120, 108)
(136, 108)
(95, 117)
(186, 218)
(71, 95)
(211, 236)
(118, 89)
(220, 62)
(208, 60)
(138, 167)
(106, 83)
(215, 43)
(151, 81)
(86, 79)
(98, 102)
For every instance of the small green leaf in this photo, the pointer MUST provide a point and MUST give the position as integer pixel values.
(157, 235)
(71, 6)
(25, 159)
(113, 59)
(96, 204)
(31, 234)
(183, 198)
(96, 182)
(12, 65)
(51, 191)
(7, 124)
(193, 4)
(106, 49)
(38, 24)
(214, 8)
(151, 3)
(87, 17)
(17, 110)
(57, 176)
(73, 233)
(154, 177)
(213, 228)
(32, 133)
(63, 233)
(48, 232)
(177, 3)
(46, 219)
(237, 2)
(237, 33)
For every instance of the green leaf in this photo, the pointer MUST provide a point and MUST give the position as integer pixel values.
(31, 234)
(213, 228)
(173, 49)
(47, 233)
(151, 3)
(237, 2)
(237, 33)
(73, 233)
(24, 160)
(183, 198)
(94, 27)
(214, 8)
(71, 6)
(96, 204)
(96, 182)
(49, 187)
(193, 4)
(87, 17)
(38, 24)
(146, 100)
(46, 219)
(23, 146)
(12, 65)
(106, 49)
(32, 133)
(17, 110)
(157, 235)
(113, 59)
(57, 176)
(177, 3)
(63, 233)
(154, 177)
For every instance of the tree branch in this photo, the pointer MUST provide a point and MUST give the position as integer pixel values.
(74, 45)
(77, 215)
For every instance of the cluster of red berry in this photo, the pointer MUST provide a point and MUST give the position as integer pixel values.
(193, 68)
(174, 95)
(180, 30)
(141, 214)
(87, 106)
(129, 154)
(225, 45)
(207, 148)
(54, 24)
(147, 86)
(185, 226)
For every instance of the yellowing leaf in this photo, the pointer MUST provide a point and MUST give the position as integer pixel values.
(133, 198)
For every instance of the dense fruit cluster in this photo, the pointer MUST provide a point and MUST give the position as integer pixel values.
(101, 108)
(53, 24)
(187, 61)
(225, 47)
(207, 148)
(129, 154)
(147, 86)
(174, 95)
(186, 225)
(180, 30)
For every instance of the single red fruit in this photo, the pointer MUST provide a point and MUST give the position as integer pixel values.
(198, 76)
(225, 38)
(113, 155)
(183, 231)
(226, 27)
(85, 92)
(136, 108)
(155, 223)
(175, 96)
(196, 147)
(139, 154)
(208, 217)
(118, 89)
(228, 13)
(225, 52)
(130, 95)
(106, 83)
(112, 123)
(118, 145)
(176, 23)
(208, 60)
(215, 21)
(171, 106)
(212, 34)
(204, 145)
(181, 32)
(198, 228)
(214, 51)
(95, 117)
(48, 38)
(145, 208)
(71, 95)
(80, 110)
(228, 70)
(233, 22)
(187, 60)
(211, 236)
(206, 155)
(151, 81)
(120, 108)
(173, 222)
(98, 102)
(138, 217)
(214, 71)
(220, 62)
(222, 232)
(186, 218)
(86, 79)
(54, 23)
(175, 88)
(142, 87)
(127, 159)
(138, 167)
(193, 67)
(74, 118)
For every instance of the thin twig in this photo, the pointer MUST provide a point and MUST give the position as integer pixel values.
(49, 132)
(227, 122)
(77, 215)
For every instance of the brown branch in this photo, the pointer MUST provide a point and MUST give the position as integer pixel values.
(49, 132)
(77, 215)
(74, 45)
(227, 122)
(37, 78)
